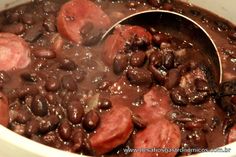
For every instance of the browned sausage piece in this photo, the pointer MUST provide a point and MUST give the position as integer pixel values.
(157, 104)
(114, 130)
(159, 134)
(115, 43)
(14, 52)
(75, 14)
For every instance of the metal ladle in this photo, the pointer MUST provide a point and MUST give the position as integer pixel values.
(176, 22)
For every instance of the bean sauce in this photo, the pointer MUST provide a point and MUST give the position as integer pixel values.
(68, 90)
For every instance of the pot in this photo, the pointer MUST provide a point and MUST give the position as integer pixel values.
(12, 144)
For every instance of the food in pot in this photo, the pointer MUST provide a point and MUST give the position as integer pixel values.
(141, 88)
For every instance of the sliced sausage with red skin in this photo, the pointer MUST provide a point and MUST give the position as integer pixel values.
(157, 104)
(75, 14)
(232, 135)
(115, 43)
(4, 110)
(114, 130)
(160, 134)
(14, 52)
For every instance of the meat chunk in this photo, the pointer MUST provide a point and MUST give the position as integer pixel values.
(114, 129)
(157, 104)
(160, 134)
(14, 52)
(123, 34)
(75, 14)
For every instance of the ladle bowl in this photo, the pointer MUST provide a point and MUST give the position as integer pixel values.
(181, 25)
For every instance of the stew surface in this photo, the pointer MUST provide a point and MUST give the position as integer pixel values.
(142, 88)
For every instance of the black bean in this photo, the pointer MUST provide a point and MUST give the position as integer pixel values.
(77, 140)
(205, 19)
(87, 28)
(49, 23)
(139, 76)
(52, 98)
(87, 148)
(168, 60)
(155, 59)
(201, 85)
(228, 88)
(193, 125)
(215, 121)
(221, 26)
(232, 35)
(15, 28)
(155, 3)
(195, 12)
(66, 97)
(22, 116)
(67, 64)
(198, 97)
(29, 77)
(173, 78)
(92, 38)
(178, 96)
(69, 83)
(140, 43)
(65, 130)
(75, 112)
(120, 63)
(138, 59)
(57, 110)
(4, 77)
(197, 139)
(48, 123)
(226, 104)
(39, 106)
(91, 120)
(12, 16)
(158, 74)
(165, 46)
(227, 124)
(160, 38)
(152, 30)
(57, 42)
(50, 139)
(33, 33)
(52, 84)
(104, 85)
(79, 75)
(104, 104)
(139, 122)
(50, 7)
(27, 90)
(18, 128)
(32, 127)
(44, 53)
(132, 4)
(27, 18)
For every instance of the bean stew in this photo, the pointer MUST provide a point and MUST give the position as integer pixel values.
(143, 87)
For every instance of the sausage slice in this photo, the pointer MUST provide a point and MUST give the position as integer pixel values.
(75, 14)
(14, 52)
(114, 130)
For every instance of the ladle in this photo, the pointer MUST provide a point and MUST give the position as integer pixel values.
(168, 20)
